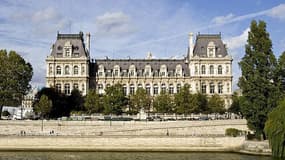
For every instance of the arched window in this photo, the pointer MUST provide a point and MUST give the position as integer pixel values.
(75, 70)
(58, 70)
(67, 88)
(155, 89)
(212, 88)
(220, 69)
(163, 88)
(220, 88)
(66, 70)
(171, 89)
(132, 89)
(147, 87)
(211, 69)
(178, 87)
(203, 69)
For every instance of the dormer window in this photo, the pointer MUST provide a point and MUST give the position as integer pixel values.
(163, 70)
(101, 71)
(116, 70)
(178, 70)
(132, 71)
(211, 49)
(67, 52)
(67, 49)
(147, 71)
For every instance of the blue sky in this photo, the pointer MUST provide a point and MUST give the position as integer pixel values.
(123, 28)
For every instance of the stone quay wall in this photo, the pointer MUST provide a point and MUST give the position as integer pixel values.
(212, 128)
(120, 143)
(127, 136)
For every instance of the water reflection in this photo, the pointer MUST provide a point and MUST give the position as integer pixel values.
(125, 156)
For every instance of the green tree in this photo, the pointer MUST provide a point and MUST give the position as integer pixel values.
(258, 81)
(275, 130)
(43, 107)
(15, 76)
(76, 100)
(61, 105)
(182, 100)
(140, 100)
(281, 72)
(163, 103)
(202, 101)
(235, 106)
(216, 104)
(114, 99)
(93, 102)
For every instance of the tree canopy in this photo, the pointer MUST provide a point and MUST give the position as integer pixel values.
(275, 130)
(15, 76)
(216, 104)
(258, 81)
(140, 100)
(235, 106)
(61, 105)
(114, 99)
(43, 107)
(93, 102)
(163, 103)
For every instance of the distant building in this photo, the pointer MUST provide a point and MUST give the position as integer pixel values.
(207, 69)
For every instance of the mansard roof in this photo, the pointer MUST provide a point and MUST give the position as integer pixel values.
(76, 40)
(141, 63)
(202, 41)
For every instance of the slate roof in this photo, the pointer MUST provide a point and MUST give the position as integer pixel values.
(76, 40)
(141, 63)
(202, 41)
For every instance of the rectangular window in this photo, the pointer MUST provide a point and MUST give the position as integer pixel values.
(116, 73)
(132, 90)
(155, 90)
(203, 88)
(171, 90)
(212, 89)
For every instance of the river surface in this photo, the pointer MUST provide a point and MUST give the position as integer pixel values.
(126, 156)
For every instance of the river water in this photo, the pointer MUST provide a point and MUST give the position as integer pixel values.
(126, 156)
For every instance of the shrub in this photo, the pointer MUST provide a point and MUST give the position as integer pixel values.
(233, 132)
(5, 113)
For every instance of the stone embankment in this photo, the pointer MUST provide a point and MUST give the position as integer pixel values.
(126, 136)
(115, 128)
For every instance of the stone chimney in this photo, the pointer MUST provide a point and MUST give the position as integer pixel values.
(191, 45)
(88, 42)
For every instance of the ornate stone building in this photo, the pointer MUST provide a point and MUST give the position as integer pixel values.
(68, 63)
(207, 68)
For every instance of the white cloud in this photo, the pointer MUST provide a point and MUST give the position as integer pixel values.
(237, 41)
(114, 24)
(48, 14)
(222, 19)
(277, 12)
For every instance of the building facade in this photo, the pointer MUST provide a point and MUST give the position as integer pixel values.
(207, 69)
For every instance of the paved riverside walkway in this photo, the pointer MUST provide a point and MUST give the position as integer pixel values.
(120, 128)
